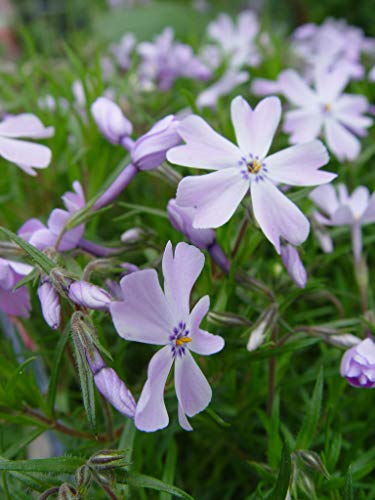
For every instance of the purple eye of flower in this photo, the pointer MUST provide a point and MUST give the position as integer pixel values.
(178, 338)
(254, 166)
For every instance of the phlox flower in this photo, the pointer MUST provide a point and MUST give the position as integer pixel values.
(358, 365)
(123, 50)
(230, 80)
(149, 315)
(236, 39)
(165, 60)
(41, 236)
(26, 155)
(247, 167)
(16, 302)
(325, 110)
(341, 209)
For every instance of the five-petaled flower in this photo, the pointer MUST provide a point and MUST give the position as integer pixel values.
(247, 167)
(148, 315)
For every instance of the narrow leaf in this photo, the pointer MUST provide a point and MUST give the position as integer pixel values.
(61, 465)
(169, 469)
(59, 351)
(143, 481)
(348, 489)
(281, 487)
(310, 423)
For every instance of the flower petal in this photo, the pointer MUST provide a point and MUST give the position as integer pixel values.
(255, 128)
(182, 420)
(205, 148)
(277, 216)
(342, 142)
(216, 196)
(193, 391)
(25, 153)
(203, 342)
(296, 89)
(303, 124)
(25, 125)
(299, 165)
(180, 272)
(151, 413)
(369, 214)
(325, 197)
(144, 314)
(330, 84)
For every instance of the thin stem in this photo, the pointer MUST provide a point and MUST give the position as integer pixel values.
(272, 373)
(58, 426)
(240, 236)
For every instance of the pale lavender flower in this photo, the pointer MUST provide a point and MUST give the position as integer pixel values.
(123, 50)
(147, 153)
(237, 40)
(88, 295)
(110, 385)
(230, 80)
(110, 120)
(149, 315)
(264, 87)
(132, 235)
(41, 236)
(246, 167)
(325, 110)
(340, 209)
(26, 155)
(358, 365)
(371, 75)
(50, 303)
(165, 60)
(16, 303)
(293, 264)
(182, 220)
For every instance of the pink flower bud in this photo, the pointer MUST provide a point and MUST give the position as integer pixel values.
(85, 294)
(50, 302)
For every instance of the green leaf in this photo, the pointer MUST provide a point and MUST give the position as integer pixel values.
(348, 488)
(59, 351)
(143, 209)
(87, 383)
(280, 490)
(20, 445)
(143, 481)
(169, 469)
(39, 258)
(310, 423)
(61, 465)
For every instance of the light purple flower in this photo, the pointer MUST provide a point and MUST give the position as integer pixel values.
(165, 60)
(325, 110)
(182, 220)
(16, 303)
(50, 303)
(41, 236)
(88, 295)
(371, 75)
(358, 365)
(27, 155)
(149, 315)
(236, 40)
(230, 80)
(265, 87)
(150, 150)
(294, 266)
(246, 167)
(340, 209)
(122, 50)
(110, 385)
(110, 120)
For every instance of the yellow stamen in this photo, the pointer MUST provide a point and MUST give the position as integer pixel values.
(183, 340)
(254, 166)
(327, 107)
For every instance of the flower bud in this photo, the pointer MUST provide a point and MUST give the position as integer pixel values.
(313, 461)
(264, 324)
(132, 235)
(293, 264)
(182, 220)
(50, 302)
(83, 478)
(107, 459)
(358, 365)
(85, 294)
(227, 319)
(110, 120)
(66, 492)
(150, 150)
(110, 385)
(344, 340)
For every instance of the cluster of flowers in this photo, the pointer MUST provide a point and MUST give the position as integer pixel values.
(141, 310)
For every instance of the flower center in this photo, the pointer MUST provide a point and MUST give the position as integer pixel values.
(252, 168)
(179, 338)
(326, 108)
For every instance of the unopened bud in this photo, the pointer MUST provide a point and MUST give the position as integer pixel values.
(67, 492)
(293, 264)
(344, 340)
(313, 461)
(264, 325)
(227, 319)
(83, 478)
(50, 303)
(133, 235)
(85, 294)
(110, 120)
(106, 459)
